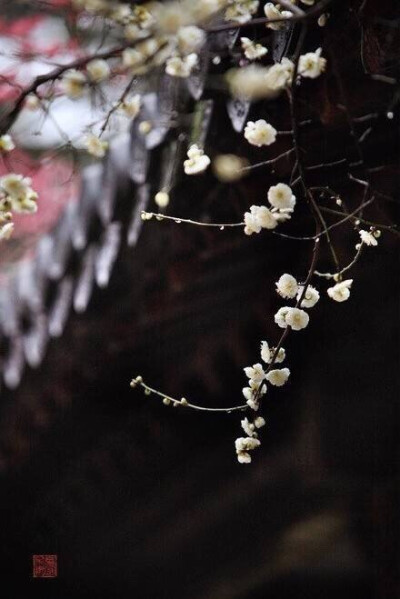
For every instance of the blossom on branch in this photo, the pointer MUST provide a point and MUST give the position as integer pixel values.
(272, 11)
(95, 146)
(252, 50)
(73, 84)
(6, 143)
(98, 70)
(368, 238)
(341, 291)
(197, 161)
(287, 286)
(260, 133)
(312, 64)
(280, 196)
(278, 377)
(177, 66)
(310, 298)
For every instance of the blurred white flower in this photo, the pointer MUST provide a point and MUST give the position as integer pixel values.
(6, 143)
(131, 106)
(98, 70)
(32, 102)
(251, 49)
(73, 84)
(132, 57)
(280, 74)
(229, 167)
(190, 39)
(251, 83)
(162, 199)
(95, 146)
(6, 231)
(177, 66)
(241, 11)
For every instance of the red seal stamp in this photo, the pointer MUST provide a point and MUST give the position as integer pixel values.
(44, 566)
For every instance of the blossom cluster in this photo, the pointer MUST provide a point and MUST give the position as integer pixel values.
(16, 195)
(282, 203)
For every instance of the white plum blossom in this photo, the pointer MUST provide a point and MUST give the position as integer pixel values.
(95, 146)
(272, 11)
(6, 231)
(131, 106)
(252, 224)
(17, 187)
(278, 377)
(32, 102)
(255, 373)
(280, 317)
(73, 84)
(241, 11)
(98, 70)
(281, 196)
(341, 291)
(197, 161)
(287, 286)
(177, 66)
(310, 298)
(280, 74)
(145, 127)
(312, 64)
(295, 318)
(265, 352)
(368, 238)
(248, 427)
(18, 193)
(259, 422)
(260, 133)
(243, 445)
(252, 50)
(255, 390)
(6, 143)
(132, 58)
(266, 218)
(259, 217)
(190, 39)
